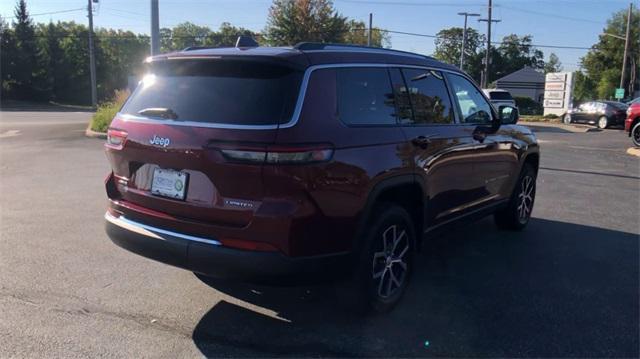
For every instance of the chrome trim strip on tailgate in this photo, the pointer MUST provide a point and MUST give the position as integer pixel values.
(153, 232)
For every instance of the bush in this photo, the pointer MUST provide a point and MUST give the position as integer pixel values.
(527, 106)
(551, 116)
(107, 110)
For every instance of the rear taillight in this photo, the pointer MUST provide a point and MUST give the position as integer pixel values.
(116, 138)
(280, 154)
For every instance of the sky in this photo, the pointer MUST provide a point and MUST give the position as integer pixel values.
(575, 23)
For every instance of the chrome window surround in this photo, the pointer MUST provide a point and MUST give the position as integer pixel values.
(154, 232)
(299, 103)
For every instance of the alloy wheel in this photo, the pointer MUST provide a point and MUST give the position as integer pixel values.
(602, 122)
(525, 198)
(390, 265)
(567, 119)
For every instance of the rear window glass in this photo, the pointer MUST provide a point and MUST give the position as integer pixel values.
(215, 91)
(365, 96)
(429, 96)
(500, 95)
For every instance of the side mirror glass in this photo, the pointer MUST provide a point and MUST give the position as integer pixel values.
(508, 115)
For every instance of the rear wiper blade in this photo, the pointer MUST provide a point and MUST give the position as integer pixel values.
(159, 112)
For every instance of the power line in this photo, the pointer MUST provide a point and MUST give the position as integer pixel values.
(55, 12)
(548, 14)
(402, 3)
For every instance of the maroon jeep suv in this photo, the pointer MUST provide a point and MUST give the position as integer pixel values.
(266, 164)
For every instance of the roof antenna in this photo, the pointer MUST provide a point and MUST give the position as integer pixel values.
(246, 41)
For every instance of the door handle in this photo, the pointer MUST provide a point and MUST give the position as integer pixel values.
(421, 141)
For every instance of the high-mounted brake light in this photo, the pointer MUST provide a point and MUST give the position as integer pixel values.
(280, 155)
(116, 138)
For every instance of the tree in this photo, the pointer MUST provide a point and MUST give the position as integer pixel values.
(553, 65)
(605, 57)
(449, 42)
(358, 35)
(7, 58)
(293, 21)
(25, 55)
(583, 87)
(188, 34)
(516, 52)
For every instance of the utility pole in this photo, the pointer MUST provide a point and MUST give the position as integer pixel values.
(464, 37)
(155, 28)
(487, 58)
(626, 47)
(370, 29)
(92, 59)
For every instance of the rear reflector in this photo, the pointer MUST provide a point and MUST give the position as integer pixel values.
(116, 138)
(247, 245)
(280, 155)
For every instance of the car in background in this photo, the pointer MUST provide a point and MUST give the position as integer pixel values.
(603, 114)
(632, 123)
(499, 97)
(634, 101)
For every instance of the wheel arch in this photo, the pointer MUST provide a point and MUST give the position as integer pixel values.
(402, 190)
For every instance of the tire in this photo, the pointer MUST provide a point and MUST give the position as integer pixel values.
(515, 217)
(603, 122)
(566, 119)
(635, 134)
(386, 259)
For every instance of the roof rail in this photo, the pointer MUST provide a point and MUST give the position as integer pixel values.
(192, 48)
(314, 46)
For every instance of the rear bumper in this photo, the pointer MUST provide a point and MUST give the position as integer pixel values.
(207, 256)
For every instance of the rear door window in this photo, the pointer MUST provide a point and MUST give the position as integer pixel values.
(429, 97)
(365, 96)
(219, 91)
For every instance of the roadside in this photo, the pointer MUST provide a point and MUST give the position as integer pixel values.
(558, 127)
(51, 106)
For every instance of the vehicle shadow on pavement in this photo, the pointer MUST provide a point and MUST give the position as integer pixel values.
(554, 290)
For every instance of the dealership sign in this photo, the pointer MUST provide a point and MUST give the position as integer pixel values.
(558, 88)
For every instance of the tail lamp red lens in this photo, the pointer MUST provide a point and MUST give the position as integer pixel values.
(116, 138)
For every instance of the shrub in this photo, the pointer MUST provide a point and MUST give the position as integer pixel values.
(551, 116)
(527, 106)
(107, 110)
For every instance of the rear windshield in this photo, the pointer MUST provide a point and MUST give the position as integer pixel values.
(218, 91)
(500, 95)
(618, 105)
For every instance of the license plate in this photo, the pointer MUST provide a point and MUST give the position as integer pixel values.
(169, 183)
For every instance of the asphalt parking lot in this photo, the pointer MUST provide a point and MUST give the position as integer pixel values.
(566, 286)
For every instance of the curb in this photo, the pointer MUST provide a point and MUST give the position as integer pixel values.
(570, 128)
(634, 151)
(93, 134)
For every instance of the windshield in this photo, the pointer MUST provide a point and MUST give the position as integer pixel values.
(215, 91)
(500, 95)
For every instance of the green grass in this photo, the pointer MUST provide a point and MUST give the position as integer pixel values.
(538, 118)
(107, 110)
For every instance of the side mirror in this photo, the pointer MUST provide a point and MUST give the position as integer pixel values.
(508, 115)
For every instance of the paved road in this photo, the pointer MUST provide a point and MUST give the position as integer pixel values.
(567, 286)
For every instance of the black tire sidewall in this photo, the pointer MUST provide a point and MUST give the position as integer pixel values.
(635, 129)
(508, 218)
(384, 216)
